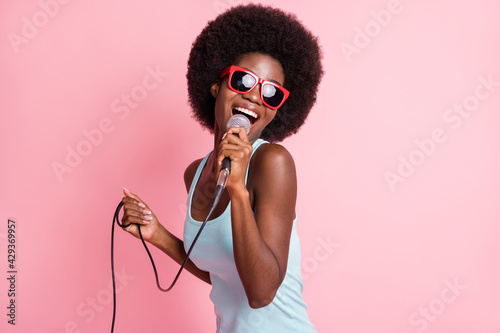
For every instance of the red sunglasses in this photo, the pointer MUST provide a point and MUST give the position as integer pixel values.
(242, 81)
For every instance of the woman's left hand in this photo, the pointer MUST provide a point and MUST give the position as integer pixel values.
(235, 145)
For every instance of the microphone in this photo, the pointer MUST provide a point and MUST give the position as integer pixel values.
(238, 120)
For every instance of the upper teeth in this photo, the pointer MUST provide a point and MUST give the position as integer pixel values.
(245, 111)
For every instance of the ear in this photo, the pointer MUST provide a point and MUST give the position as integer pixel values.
(214, 88)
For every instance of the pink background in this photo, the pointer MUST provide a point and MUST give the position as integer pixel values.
(416, 254)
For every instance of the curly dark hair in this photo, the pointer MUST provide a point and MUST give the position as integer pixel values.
(257, 28)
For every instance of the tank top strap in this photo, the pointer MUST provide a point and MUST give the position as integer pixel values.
(198, 173)
(259, 142)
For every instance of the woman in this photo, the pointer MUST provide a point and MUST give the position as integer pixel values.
(260, 62)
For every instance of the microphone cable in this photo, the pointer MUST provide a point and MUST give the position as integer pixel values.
(218, 191)
(237, 120)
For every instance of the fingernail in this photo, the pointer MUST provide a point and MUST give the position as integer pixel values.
(145, 211)
(126, 189)
(148, 217)
(147, 222)
(140, 204)
(224, 136)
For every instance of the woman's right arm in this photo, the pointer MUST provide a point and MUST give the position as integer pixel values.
(137, 212)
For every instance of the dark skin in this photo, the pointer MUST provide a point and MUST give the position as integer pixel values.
(260, 241)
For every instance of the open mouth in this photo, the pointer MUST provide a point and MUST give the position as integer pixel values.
(252, 116)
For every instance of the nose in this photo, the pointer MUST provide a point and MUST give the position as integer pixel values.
(254, 95)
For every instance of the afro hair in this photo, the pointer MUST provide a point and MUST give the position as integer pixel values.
(257, 28)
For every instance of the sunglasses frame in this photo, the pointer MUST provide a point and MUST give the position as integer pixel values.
(231, 69)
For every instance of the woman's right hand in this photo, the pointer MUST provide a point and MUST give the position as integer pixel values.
(136, 212)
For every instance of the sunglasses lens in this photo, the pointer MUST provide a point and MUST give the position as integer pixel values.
(272, 95)
(242, 81)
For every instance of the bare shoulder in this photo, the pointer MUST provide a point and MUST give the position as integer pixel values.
(272, 163)
(190, 172)
(272, 154)
(272, 184)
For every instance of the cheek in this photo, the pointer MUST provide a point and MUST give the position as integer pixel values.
(219, 104)
(270, 115)
(224, 98)
(222, 101)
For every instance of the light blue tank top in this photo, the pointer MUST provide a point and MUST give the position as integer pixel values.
(213, 252)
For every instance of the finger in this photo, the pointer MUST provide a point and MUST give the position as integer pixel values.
(131, 205)
(225, 150)
(134, 204)
(135, 198)
(233, 142)
(233, 152)
(240, 132)
(136, 219)
(134, 209)
(131, 195)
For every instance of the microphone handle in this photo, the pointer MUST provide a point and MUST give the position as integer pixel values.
(226, 164)
(225, 170)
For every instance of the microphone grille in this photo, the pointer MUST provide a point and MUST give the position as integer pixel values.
(239, 120)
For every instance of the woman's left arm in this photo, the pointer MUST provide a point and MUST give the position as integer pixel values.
(261, 242)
